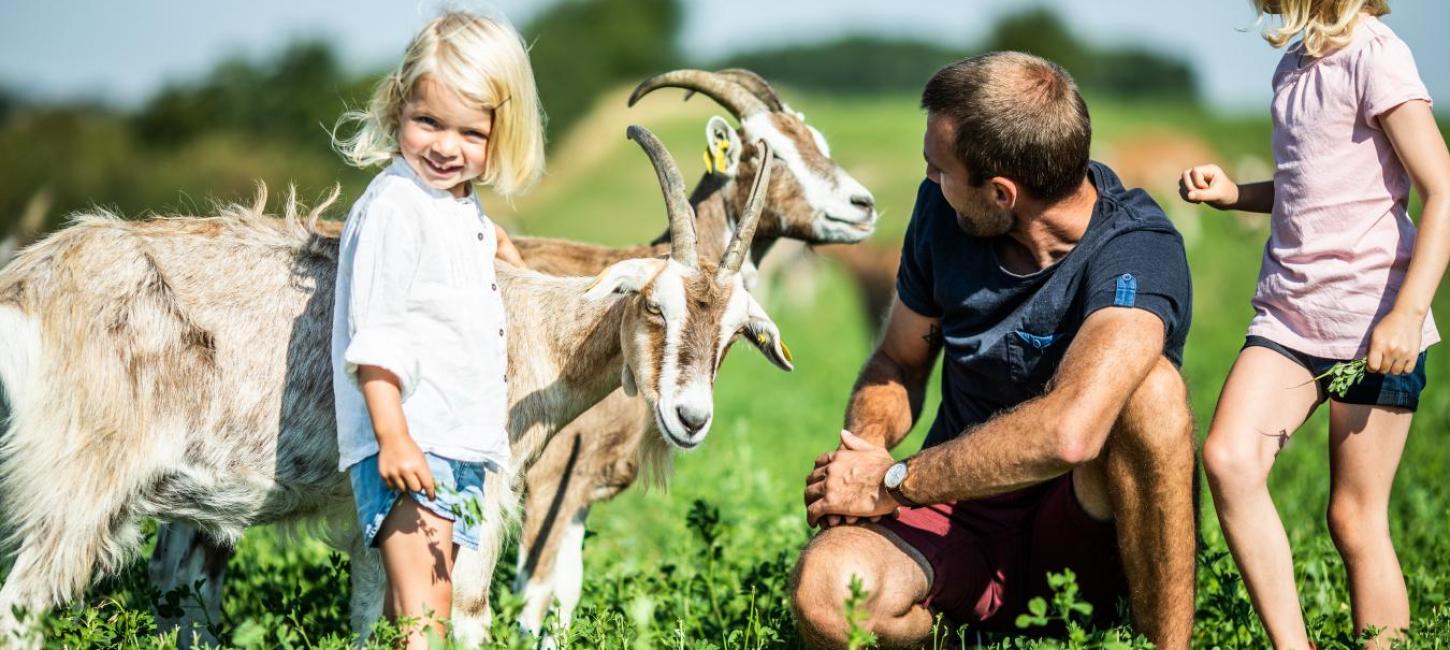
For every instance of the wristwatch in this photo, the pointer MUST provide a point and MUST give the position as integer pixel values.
(895, 476)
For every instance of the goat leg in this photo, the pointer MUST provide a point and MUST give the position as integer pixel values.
(189, 562)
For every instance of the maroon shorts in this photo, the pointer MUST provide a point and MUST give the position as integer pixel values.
(989, 557)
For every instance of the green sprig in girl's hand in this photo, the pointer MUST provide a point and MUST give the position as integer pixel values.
(1343, 376)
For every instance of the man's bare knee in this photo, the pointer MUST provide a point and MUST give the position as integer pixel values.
(1156, 418)
(821, 584)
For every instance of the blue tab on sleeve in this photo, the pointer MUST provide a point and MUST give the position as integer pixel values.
(1127, 290)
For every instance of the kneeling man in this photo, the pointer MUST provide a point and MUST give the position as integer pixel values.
(1063, 439)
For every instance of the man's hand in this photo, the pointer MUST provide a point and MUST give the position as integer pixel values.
(1394, 344)
(1209, 184)
(847, 482)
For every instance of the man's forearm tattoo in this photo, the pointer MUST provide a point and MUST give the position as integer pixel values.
(933, 336)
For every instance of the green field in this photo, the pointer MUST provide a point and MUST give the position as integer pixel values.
(705, 564)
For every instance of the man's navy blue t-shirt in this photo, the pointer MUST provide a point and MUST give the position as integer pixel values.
(1005, 334)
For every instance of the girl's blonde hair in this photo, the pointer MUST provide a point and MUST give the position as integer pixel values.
(481, 59)
(1322, 25)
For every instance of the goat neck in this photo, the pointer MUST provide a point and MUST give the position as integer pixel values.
(565, 359)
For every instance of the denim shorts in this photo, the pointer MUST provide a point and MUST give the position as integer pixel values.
(457, 483)
(1401, 391)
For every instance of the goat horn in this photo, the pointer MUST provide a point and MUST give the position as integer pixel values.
(682, 221)
(757, 85)
(740, 244)
(737, 99)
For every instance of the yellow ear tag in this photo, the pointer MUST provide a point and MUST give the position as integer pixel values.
(786, 350)
(720, 161)
(709, 161)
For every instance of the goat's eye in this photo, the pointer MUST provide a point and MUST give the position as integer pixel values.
(652, 307)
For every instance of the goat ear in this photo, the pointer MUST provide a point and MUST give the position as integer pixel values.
(626, 381)
(722, 147)
(623, 277)
(764, 334)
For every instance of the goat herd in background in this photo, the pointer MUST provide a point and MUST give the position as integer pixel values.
(178, 368)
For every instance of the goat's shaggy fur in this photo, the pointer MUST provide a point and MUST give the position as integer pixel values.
(179, 368)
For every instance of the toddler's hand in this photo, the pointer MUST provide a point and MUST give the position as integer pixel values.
(403, 467)
(1208, 184)
(1394, 344)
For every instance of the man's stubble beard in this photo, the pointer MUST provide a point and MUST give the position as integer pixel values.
(985, 221)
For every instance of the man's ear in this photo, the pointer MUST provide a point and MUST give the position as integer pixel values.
(1005, 192)
(764, 334)
(722, 147)
(624, 277)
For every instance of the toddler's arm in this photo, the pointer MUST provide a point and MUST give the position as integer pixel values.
(506, 250)
(400, 461)
(1211, 184)
(1394, 345)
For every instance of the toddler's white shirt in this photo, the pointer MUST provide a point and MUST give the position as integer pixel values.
(416, 294)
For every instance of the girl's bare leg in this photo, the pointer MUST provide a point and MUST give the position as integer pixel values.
(418, 551)
(1365, 444)
(1265, 399)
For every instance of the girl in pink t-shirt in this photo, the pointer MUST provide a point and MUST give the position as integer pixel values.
(1344, 277)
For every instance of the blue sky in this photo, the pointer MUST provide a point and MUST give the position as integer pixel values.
(123, 51)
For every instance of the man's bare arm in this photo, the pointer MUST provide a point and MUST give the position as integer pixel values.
(1048, 436)
(889, 393)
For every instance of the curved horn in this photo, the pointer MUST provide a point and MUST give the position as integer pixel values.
(740, 243)
(757, 85)
(724, 90)
(682, 219)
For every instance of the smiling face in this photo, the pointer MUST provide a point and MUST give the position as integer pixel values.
(982, 210)
(443, 137)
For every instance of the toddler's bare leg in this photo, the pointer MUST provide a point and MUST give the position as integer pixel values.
(418, 551)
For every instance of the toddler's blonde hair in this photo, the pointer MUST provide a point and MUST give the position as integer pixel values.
(1322, 25)
(484, 61)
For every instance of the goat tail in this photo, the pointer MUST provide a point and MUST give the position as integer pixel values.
(299, 217)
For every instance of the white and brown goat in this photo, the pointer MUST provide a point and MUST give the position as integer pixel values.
(810, 198)
(178, 369)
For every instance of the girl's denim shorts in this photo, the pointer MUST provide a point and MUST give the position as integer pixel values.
(1402, 391)
(457, 483)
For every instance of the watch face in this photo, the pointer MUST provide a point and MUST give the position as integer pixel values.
(895, 475)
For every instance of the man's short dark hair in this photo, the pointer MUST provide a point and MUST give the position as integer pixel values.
(1018, 116)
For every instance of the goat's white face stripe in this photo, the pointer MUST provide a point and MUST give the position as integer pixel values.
(831, 194)
(669, 294)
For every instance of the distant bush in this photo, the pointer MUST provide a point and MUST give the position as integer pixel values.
(853, 65)
(865, 64)
(581, 48)
(1121, 72)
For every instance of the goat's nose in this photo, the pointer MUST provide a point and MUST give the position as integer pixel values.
(693, 418)
(863, 201)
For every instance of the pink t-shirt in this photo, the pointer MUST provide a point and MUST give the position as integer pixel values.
(1341, 236)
